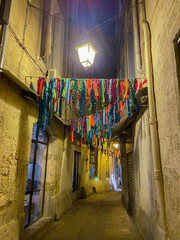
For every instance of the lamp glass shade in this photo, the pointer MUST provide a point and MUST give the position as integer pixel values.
(86, 54)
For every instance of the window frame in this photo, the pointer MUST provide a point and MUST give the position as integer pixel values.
(36, 142)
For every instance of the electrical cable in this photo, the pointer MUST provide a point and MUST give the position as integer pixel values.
(99, 26)
(58, 18)
(27, 22)
(109, 21)
(24, 48)
(21, 44)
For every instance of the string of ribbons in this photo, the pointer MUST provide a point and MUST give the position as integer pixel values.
(111, 94)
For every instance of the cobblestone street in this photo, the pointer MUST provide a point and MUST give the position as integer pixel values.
(99, 217)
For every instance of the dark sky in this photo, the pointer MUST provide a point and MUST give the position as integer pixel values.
(90, 14)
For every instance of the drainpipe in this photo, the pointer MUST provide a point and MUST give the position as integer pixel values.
(158, 176)
(153, 124)
(136, 38)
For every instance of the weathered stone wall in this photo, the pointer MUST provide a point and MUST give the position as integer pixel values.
(26, 23)
(124, 173)
(15, 58)
(53, 172)
(164, 21)
(16, 120)
(17, 116)
(146, 215)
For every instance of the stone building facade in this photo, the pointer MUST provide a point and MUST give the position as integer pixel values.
(162, 19)
(23, 59)
(18, 115)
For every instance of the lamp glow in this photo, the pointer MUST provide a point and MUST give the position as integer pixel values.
(116, 145)
(86, 54)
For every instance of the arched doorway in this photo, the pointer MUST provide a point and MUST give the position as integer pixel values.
(35, 185)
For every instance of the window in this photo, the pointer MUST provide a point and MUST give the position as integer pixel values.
(52, 36)
(35, 185)
(5, 7)
(130, 48)
(46, 38)
(177, 55)
(93, 163)
(75, 178)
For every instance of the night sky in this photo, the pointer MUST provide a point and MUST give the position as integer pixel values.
(90, 14)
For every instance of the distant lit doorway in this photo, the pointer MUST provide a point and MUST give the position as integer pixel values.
(35, 185)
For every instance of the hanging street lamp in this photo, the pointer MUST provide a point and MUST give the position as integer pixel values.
(87, 54)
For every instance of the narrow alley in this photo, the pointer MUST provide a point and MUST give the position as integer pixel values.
(99, 217)
(90, 119)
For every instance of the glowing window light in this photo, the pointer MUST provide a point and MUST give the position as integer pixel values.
(86, 54)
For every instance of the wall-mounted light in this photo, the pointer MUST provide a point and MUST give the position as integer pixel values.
(86, 54)
(116, 145)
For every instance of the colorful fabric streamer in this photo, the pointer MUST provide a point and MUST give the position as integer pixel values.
(114, 93)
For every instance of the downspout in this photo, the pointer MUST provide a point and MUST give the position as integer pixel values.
(158, 176)
(136, 38)
(153, 125)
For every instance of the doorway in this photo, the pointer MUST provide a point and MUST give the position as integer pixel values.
(35, 185)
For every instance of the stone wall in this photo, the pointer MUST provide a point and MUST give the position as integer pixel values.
(26, 22)
(16, 120)
(146, 215)
(164, 21)
(15, 58)
(163, 18)
(17, 116)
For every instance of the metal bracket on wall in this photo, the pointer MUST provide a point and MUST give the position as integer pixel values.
(141, 96)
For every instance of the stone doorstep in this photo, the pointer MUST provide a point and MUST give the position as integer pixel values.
(31, 232)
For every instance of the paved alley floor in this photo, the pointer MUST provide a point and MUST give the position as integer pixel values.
(99, 217)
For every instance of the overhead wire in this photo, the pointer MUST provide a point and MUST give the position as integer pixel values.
(27, 22)
(24, 48)
(21, 44)
(55, 17)
(95, 28)
(104, 24)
